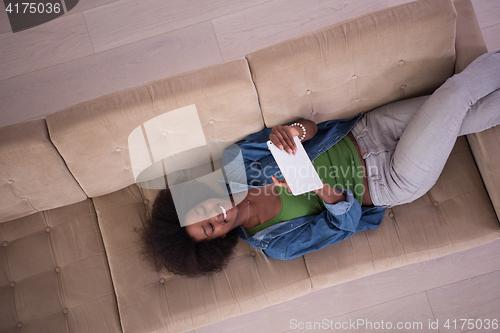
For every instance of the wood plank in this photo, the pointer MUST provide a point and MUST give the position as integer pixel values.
(83, 5)
(492, 37)
(248, 30)
(407, 314)
(55, 42)
(366, 292)
(51, 89)
(4, 20)
(487, 12)
(80, 7)
(149, 18)
(477, 298)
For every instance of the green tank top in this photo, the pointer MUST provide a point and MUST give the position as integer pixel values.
(339, 167)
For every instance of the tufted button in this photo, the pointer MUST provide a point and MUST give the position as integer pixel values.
(211, 121)
(25, 199)
(308, 92)
(435, 203)
(357, 100)
(58, 269)
(401, 62)
(10, 182)
(354, 77)
(313, 112)
(65, 310)
(146, 201)
(5, 243)
(126, 168)
(118, 149)
(12, 284)
(162, 281)
(253, 253)
(47, 229)
(19, 324)
(404, 86)
(164, 133)
(391, 214)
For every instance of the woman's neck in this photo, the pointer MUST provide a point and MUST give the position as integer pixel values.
(264, 203)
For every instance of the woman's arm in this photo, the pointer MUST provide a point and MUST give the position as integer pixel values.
(282, 136)
(330, 195)
(327, 193)
(310, 233)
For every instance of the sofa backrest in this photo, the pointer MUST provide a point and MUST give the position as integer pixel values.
(93, 136)
(330, 73)
(341, 70)
(33, 176)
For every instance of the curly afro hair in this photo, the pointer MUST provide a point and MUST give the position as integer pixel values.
(168, 244)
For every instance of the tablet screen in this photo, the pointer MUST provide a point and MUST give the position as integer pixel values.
(297, 169)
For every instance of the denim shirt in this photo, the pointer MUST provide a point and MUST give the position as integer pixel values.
(294, 238)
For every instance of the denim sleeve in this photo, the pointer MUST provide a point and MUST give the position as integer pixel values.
(345, 215)
(338, 222)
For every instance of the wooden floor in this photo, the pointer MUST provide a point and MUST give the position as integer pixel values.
(463, 285)
(90, 52)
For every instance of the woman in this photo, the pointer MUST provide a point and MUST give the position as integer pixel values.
(394, 154)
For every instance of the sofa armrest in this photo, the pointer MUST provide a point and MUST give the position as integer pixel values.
(485, 146)
(469, 43)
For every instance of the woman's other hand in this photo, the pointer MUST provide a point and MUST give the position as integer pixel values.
(281, 183)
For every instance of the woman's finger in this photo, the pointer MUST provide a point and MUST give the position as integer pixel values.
(287, 137)
(278, 182)
(280, 141)
(284, 138)
(274, 139)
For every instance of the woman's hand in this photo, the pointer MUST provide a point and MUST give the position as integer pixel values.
(282, 137)
(281, 183)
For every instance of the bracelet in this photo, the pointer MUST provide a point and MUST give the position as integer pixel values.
(303, 130)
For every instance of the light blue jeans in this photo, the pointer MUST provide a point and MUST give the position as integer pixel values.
(406, 144)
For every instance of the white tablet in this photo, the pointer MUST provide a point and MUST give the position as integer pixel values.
(297, 169)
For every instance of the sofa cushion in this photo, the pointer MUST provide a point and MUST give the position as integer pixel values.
(92, 137)
(33, 176)
(151, 301)
(54, 275)
(485, 146)
(341, 70)
(454, 215)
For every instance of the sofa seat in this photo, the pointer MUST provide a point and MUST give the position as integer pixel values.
(54, 274)
(170, 303)
(453, 216)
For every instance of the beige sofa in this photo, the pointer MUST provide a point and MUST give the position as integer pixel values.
(70, 256)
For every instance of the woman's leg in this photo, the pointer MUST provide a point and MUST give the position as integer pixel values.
(482, 115)
(426, 142)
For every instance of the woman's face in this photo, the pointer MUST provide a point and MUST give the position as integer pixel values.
(211, 219)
